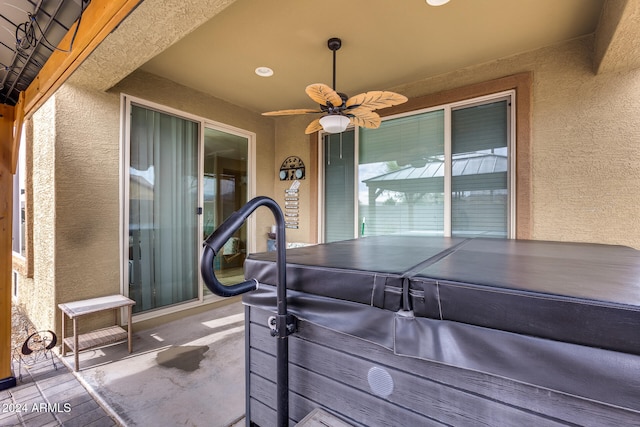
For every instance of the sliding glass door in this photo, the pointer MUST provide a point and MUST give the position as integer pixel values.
(182, 177)
(225, 191)
(163, 208)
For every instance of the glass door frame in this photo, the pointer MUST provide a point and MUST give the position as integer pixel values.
(125, 145)
(251, 223)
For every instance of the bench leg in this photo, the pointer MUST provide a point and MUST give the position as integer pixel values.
(129, 329)
(62, 347)
(75, 346)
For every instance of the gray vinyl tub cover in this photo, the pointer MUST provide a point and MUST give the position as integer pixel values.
(558, 315)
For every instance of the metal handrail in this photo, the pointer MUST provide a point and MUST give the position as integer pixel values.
(283, 324)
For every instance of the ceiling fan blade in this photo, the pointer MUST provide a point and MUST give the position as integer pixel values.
(314, 126)
(323, 94)
(364, 118)
(290, 112)
(375, 100)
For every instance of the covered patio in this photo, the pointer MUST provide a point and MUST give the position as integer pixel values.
(577, 99)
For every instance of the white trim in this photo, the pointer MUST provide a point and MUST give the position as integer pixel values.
(15, 293)
(123, 223)
(251, 222)
(125, 124)
(356, 182)
(200, 201)
(512, 186)
(448, 162)
(320, 144)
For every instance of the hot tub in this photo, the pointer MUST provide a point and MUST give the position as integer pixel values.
(422, 331)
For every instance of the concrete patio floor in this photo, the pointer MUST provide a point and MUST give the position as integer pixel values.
(185, 372)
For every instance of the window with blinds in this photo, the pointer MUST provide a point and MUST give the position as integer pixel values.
(439, 172)
(401, 175)
(479, 180)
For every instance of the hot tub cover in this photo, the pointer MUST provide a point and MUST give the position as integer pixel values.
(580, 293)
(563, 316)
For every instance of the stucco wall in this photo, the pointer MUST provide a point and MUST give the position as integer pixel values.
(585, 141)
(37, 294)
(586, 152)
(74, 205)
(87, 197)
(292, 141)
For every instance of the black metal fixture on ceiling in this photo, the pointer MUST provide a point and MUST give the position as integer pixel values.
(30, 32)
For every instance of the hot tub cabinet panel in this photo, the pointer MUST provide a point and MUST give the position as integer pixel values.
(386, 357)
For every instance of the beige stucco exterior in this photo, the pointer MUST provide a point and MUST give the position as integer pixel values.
(39, 293)
(585, 164)
(585, 142)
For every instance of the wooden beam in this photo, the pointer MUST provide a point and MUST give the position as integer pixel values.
(99, 19)
(6, 209)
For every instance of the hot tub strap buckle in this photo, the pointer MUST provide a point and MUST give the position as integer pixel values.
(282, 325)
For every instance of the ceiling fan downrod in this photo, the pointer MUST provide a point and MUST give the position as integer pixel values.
(334, 44)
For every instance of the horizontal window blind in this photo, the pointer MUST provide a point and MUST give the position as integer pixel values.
(409, 140)
(482, 127)
(339, 158)
(401, 175)
(479, 202)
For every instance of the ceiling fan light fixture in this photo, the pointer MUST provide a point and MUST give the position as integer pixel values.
(437, 2)
(334, 123)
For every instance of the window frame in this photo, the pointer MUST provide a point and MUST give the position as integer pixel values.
(519, 178)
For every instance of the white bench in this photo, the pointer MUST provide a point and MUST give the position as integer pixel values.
(100, 337)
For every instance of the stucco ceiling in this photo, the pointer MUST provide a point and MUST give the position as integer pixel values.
(385, 43)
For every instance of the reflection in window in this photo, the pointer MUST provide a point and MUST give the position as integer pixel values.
(401, 174)
(479, 202)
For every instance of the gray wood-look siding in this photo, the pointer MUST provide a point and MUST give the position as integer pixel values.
(329, 370)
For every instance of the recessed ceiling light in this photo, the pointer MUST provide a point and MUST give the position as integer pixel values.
(437, 2)
(264, 71)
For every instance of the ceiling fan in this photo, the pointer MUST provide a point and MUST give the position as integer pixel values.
(340, 110)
